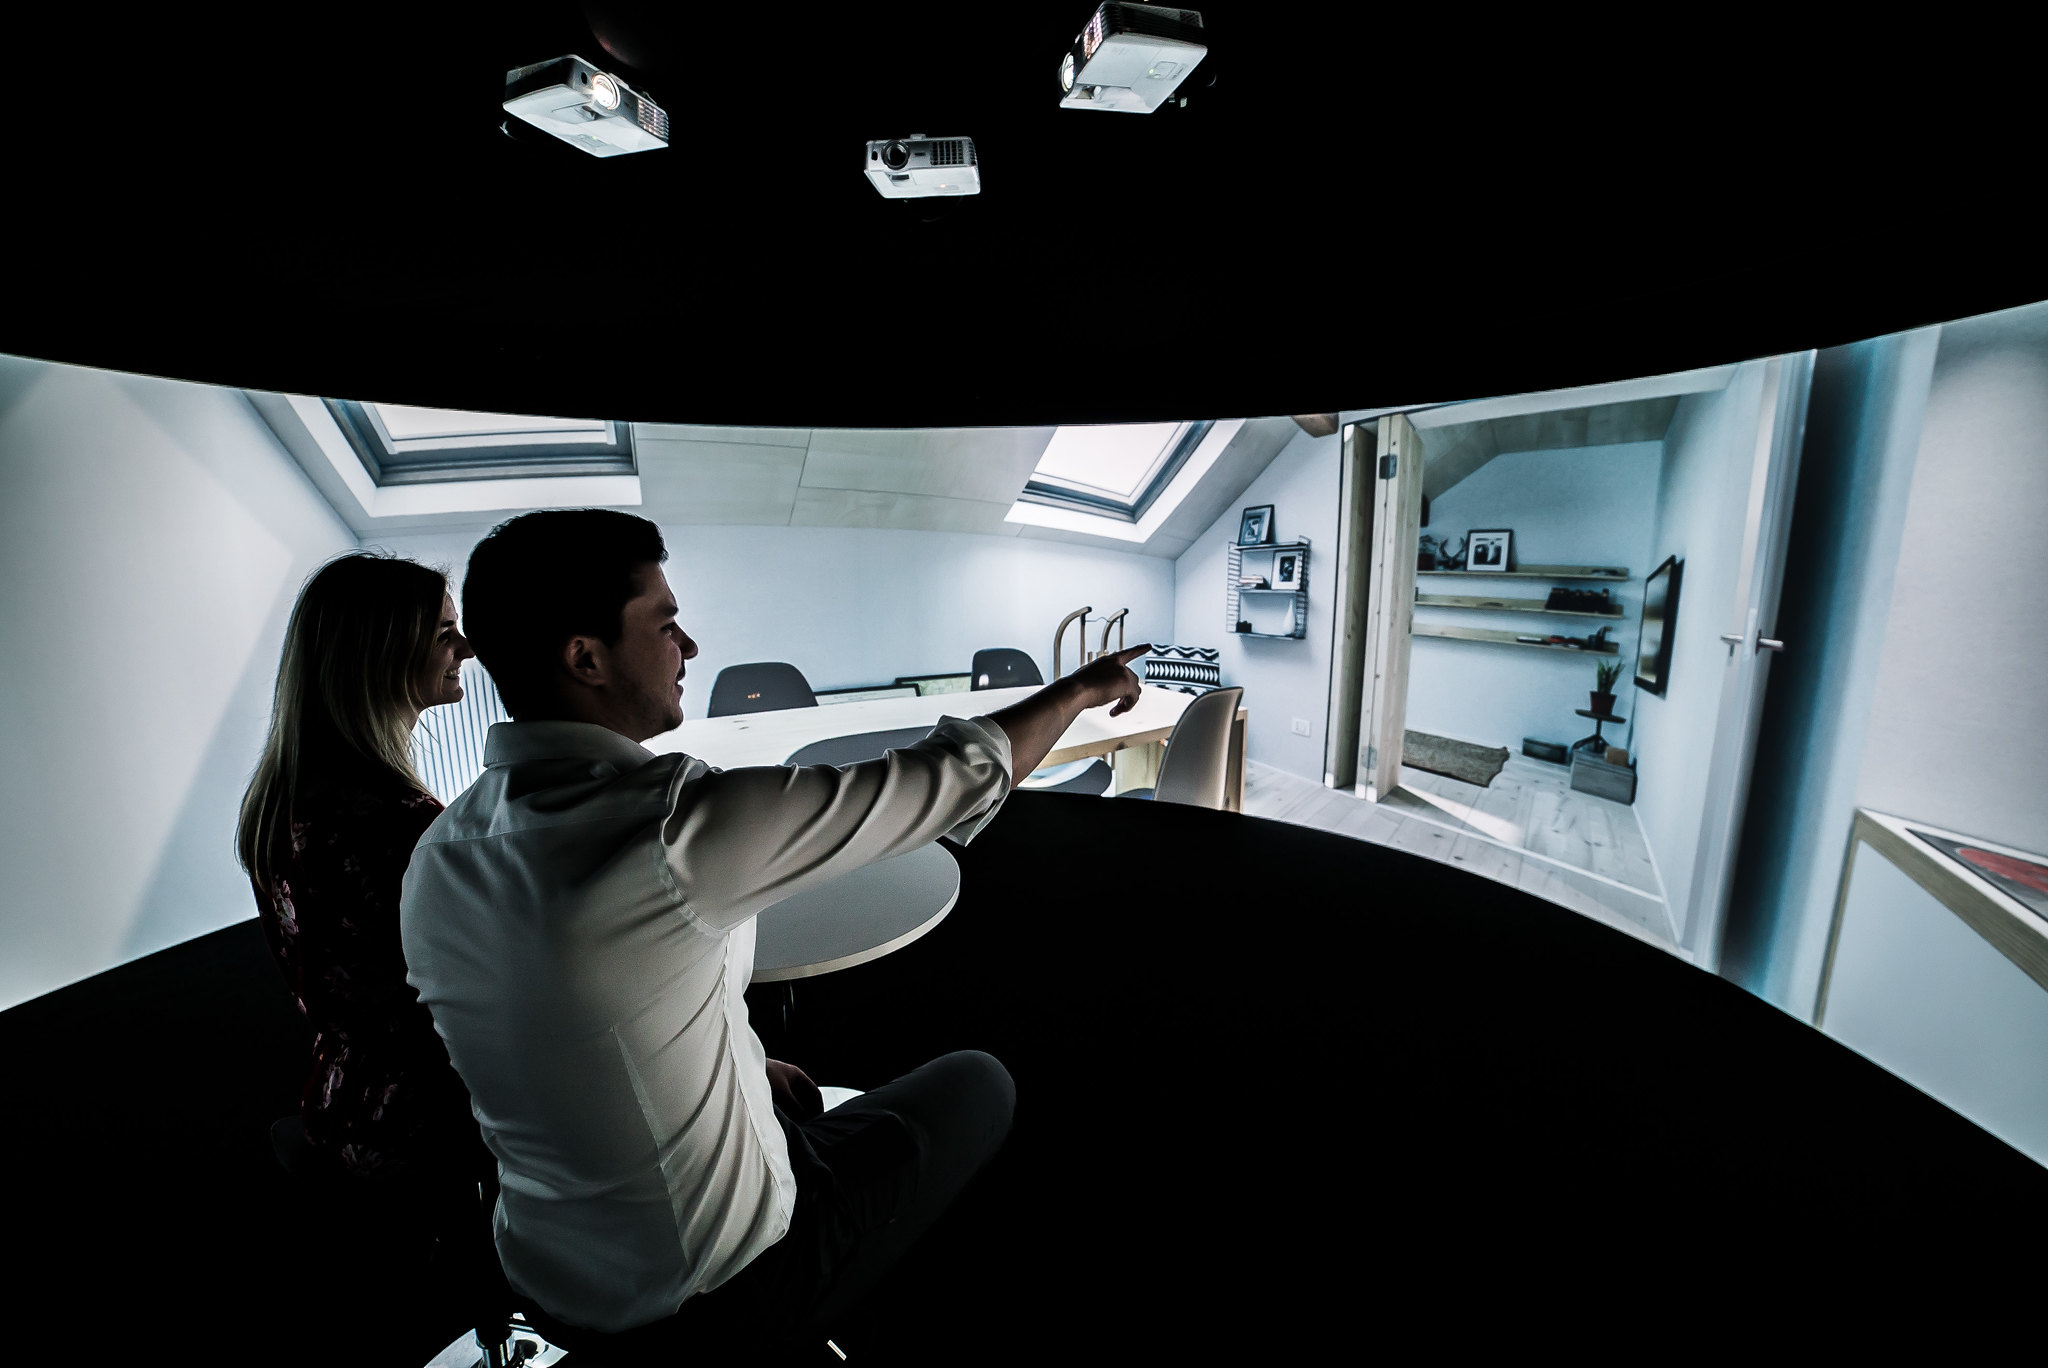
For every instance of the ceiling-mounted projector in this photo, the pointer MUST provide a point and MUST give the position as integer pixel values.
(1131, 57)
(585, 107)
(917, 166)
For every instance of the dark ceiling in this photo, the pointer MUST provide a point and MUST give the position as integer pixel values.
(1357, 212)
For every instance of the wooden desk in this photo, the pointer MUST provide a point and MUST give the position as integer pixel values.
(1131, 741)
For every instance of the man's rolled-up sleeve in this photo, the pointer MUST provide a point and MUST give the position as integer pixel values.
(737, 841)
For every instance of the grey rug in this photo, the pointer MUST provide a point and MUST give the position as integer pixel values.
(1452, 759)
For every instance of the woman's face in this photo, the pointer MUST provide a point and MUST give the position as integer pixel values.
(443, 681)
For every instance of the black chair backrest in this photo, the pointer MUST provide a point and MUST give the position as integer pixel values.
(1003, 667)
(764, 686)
(851, 750)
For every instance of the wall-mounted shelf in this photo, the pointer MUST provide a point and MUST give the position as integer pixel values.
(1549, 572)
(1506, 638)
(1503, 605)
(1265, 563)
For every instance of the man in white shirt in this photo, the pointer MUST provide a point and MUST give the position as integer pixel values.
(580, 924)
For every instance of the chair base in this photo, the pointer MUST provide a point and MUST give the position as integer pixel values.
(1081, 776)
(524, 1347)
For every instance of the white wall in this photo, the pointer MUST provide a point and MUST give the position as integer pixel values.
(1282, 680)
(153, 537)
(1701, 497)
(1958, 724)
(1582, 506)
(849, 605)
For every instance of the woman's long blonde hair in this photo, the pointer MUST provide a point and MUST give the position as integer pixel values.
(348, 692)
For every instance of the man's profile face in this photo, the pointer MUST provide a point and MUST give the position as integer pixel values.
(650, 654)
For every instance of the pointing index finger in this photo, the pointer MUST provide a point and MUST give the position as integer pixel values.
(1126, 656)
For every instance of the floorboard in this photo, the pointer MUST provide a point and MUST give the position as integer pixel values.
(1526, 829)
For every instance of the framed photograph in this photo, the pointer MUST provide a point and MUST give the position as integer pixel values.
(1488, 549)
(1660, 620)
(936, 684)
(1287, 571)
(1256, 526)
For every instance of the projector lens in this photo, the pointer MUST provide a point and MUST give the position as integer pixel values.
(604, 92)
(1067, 72)
(895, 156)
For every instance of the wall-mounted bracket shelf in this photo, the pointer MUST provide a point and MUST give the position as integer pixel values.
(1605, 574)
(1265, 562)
(1506, 638)
(1505, 605)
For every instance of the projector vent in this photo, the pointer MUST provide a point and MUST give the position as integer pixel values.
(1184, 24)
(950, 153)
(654, 120)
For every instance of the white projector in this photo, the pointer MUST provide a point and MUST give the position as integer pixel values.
(917, 166)
(585, 107)
(1131, 57)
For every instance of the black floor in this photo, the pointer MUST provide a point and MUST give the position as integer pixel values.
(1282, 1097)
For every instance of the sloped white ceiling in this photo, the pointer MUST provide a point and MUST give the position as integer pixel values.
(1457, 439)
(917, 479)
(1454, 452)
(922, 479)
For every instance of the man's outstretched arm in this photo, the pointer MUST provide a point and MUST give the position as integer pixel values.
(1036, 725)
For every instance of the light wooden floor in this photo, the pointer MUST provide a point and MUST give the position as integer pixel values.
(1528, 828)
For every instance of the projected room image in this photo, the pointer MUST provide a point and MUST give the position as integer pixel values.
(847, 589)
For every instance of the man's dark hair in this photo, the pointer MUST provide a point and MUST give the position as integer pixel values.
(542, 578)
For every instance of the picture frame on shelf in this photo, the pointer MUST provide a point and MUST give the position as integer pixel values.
(1255, 526)
(1488, 550)
(1659, 623)
(1287, 571)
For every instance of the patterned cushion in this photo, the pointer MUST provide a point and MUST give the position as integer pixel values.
(1184, 669)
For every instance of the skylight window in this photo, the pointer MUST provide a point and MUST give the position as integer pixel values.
(400, 444)
(1112, 470)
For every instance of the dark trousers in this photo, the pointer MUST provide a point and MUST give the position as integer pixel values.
(871, 1175)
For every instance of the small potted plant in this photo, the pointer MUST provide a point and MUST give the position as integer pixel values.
(1605, 673)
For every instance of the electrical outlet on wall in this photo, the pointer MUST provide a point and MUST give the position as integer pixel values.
(1301, 726)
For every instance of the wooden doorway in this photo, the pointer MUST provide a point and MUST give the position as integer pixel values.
(1396, 500)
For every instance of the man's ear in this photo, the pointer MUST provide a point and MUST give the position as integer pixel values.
(584, 659)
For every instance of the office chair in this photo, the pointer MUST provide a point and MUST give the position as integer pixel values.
(764, 686)
(1197, 762)
(851, 750)
(1092, 776)
(1003, 667)
(1082, 776)
(1006, 667)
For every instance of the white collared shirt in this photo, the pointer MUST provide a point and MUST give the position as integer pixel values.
(580, 924)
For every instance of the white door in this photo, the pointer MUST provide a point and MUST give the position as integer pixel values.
(1750, 639)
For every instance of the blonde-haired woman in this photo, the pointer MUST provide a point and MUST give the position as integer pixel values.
(328, 826)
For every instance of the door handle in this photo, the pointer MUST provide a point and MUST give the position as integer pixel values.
(1763, 643)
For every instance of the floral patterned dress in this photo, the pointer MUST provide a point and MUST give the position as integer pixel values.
(380, 1094)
